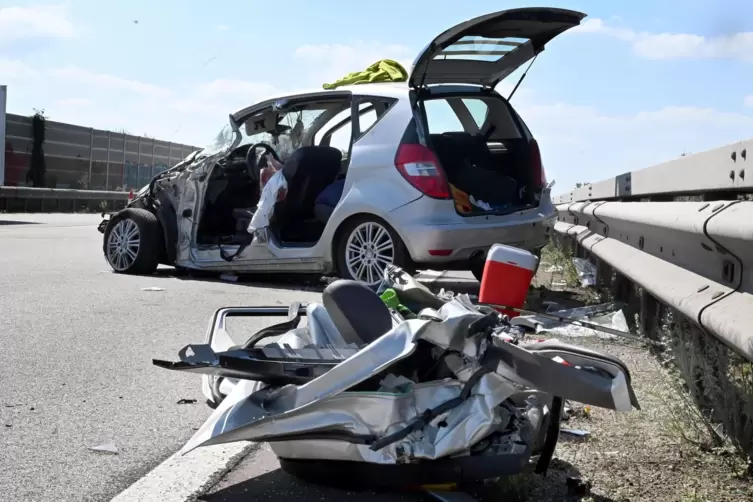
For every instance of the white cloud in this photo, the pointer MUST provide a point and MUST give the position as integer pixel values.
(662, 46)
(11, 70)
(224, 96)
(329, 62)
(76, 102)
(101, 80)
(37, 21)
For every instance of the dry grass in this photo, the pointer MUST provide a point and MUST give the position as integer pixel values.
(674, 449)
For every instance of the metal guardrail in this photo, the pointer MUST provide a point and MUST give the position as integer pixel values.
(695, 257)
(17, 199)
(721, 171)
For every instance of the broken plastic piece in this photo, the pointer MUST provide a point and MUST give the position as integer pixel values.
(575, 432)
(153, 288)
(105, 448)
(586, 272)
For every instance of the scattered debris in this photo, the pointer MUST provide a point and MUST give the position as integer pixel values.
(105, 448)
(578, 486)
(587, 411)
(586, 272)
(13, 405)
(9, 425)
(152, 288)
(187, 401)
(229, 277)
(576, 432)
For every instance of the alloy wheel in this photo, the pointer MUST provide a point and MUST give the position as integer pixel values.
(368, 250)
(123, 244)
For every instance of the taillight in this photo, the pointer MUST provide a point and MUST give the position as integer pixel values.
(539, 176)
(420, 167)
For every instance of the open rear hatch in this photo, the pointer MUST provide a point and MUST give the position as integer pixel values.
(488, 161)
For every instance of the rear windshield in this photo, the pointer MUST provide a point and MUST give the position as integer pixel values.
(474, 115)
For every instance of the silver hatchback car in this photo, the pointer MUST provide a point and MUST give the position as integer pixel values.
(429, 173)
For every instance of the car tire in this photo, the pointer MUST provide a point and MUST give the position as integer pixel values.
(373, 247)
(477, 268)
(133, 242)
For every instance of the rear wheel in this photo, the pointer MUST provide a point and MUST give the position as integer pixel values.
(366, 246)
(133, 242)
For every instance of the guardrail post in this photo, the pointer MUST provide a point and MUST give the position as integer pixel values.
(649, 316)
(603, 273)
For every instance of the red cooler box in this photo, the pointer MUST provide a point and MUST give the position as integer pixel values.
(508, 273)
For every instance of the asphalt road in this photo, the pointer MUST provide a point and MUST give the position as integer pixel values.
(75, 360)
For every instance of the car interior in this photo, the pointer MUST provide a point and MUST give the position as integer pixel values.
(312, 141)
(234, 189)
(483, 151)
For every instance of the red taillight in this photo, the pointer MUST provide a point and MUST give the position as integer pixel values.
(539, 176)
(420, 167)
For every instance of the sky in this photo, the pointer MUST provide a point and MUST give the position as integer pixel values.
(638, 83)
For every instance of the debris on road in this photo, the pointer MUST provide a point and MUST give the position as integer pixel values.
(586, 272)
(578, 486)
(105, 448)
(186, 401)
(153, 288)
(575, 432)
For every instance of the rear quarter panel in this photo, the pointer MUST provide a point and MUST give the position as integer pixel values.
(373, 186)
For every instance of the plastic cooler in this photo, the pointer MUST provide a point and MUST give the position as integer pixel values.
(508, 273)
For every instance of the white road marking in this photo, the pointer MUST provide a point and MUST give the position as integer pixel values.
(180, 477)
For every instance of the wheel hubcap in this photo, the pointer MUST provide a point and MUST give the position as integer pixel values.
(368, 251)
(123, 244)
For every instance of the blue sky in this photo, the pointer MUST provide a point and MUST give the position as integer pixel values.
(641, 82)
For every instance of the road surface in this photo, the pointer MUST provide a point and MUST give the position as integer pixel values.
(76, 372)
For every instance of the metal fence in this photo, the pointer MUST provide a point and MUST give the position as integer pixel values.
(674, 242)
(84, 158)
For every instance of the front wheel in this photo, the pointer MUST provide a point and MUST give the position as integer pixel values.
(366, 246)
(133, 242)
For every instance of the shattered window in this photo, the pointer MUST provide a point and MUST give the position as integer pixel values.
(290, 131)
(224, 139)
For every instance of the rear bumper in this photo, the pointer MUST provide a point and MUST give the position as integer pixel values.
(429, 242)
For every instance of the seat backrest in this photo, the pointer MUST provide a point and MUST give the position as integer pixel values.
(357, 311)
(308, 171)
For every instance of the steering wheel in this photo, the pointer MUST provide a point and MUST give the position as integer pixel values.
(252, 160)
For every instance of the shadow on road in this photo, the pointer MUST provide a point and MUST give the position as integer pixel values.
(15, 222)
(259, 478)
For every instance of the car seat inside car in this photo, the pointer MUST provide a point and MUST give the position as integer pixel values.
(309, 167)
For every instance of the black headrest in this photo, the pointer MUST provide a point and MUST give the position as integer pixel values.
(311, 158)
(357, 311)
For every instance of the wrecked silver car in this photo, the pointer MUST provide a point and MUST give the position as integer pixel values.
(432, 391)
(429, 170)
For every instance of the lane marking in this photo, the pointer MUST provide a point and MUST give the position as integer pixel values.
(180, 477)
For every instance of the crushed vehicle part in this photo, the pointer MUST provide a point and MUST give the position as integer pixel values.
(436, 399)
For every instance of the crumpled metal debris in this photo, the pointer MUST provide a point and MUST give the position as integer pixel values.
(605, 314)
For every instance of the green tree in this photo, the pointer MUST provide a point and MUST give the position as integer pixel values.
(36, 176)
